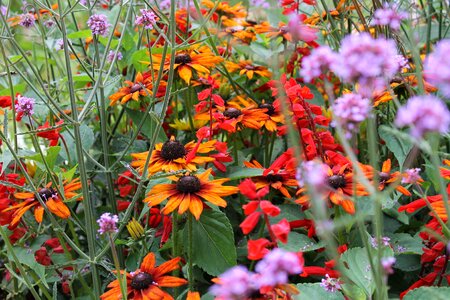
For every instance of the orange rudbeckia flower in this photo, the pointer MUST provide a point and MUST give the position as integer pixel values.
(387, 178)
(53, 201)
(274, 113)
(248, 68)
(171, 156)
(188, 191)
(147, 281)
(195, 58)
(232, 119)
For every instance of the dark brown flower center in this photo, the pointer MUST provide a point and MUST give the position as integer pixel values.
(274, 178)
(270, 109)
(172, 150)
(384, 176)
(141, 281)
(188, 184)
(232, 113)
(136, 87)
(183, 59)
(336, 181)
(47, 193)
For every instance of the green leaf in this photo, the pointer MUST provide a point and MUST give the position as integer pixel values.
(236, 173)
(138, 57)
(50, 158)
(82, 34)
(213, 242)
(149, 125)
(6, 159)
(68, 175)
(86, 137)
(26, 257)
(397, 142)
(403, 243)
(358, 269)
(315, 291)
(300, 242)
(435, 293)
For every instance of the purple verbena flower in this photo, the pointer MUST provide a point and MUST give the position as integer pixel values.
(315, 174)
(411, 176)
(4, 10)
(49, 23)
(27, 20)
(384, 241)
(331, 285)
(147, 18)
(98, 24)
(259, 4)
(350, 110)
(111, 55)
(59, 45)
(108, 223)
(367, 61)
(389, 16)
(388, 263)
(437, 67)
(24, 106)
(402, 62)
(319, 61)
(275, 267)
(235, 284)
(424, 114)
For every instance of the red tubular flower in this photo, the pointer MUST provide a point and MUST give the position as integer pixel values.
(52, 134)
(42, 257)
(257, 249)
(281, 230)
(308, 224)
(5, 101)
(250, 222)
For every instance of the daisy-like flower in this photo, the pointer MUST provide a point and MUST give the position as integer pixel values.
(280, 180)
(274, 113)
(233, 118)
(147, 281)
(52, 200)
(198, 59)
(188, 191)
(248, 68)
(171, 156)
(141, 87)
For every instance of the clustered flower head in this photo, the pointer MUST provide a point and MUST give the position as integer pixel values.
(319, 61)
(389, 16)
(411, 176)
(312, 172)
(367, 61)
(111, 55)
(350, 110)
(384, 241)
(424, 114)
(108, 223)
(388, 263)
(437, 67)
(330, 284)
(272, 270)
(98, 24)
(25, 105)
(27, 20)
(147, 18)
(300, 31)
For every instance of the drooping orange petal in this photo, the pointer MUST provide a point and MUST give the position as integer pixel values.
(185, 73)
(39, 214)
(196, 208)
(170, 281)
(148, 263)
(58, 208)
(167, 267)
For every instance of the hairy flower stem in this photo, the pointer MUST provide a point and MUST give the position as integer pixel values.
(122, 280)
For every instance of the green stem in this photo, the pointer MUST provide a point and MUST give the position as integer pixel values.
(122, 283)
(190, 253)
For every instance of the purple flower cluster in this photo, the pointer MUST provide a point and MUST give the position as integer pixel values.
(384, 241)
(98, 24)
(108, 223)
(424, 114)
(319, 61)
(411, 176)
(388, 263)
(316, 174)
(4, 10)
(25, 105)
(389, 16)
(111, 55)
(437, 67)
(259, 4)
(273, 269)
(27, 20)
(367, 61)
(147, 18)
(350, 110)
(331, 285)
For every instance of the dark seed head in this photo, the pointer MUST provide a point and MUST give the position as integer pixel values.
(47, 193)
(336, 181)
(172, 150)
(270, 109)
(136, 87)
(274, 178)
(188, 184)
(232, 113)
(141, 281)
(384, 176)
(183, 59)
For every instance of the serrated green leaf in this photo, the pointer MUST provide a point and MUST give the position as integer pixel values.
(213, 242)
(358, 269)
(310, 291)
(435, 293)
(397, 142)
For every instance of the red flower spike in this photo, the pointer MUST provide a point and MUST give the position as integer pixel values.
(281, 230)
(257, 248)
(269, 209)
(250, 222)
